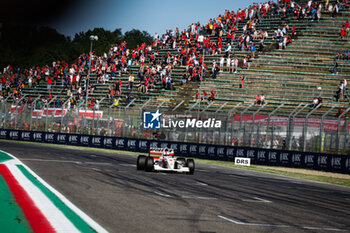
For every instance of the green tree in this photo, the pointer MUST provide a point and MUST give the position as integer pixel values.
(135, 38)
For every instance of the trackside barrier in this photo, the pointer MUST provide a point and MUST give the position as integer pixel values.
(271, 157)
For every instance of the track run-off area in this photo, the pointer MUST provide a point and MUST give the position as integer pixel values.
(105, 192)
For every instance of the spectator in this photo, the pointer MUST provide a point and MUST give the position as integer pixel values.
(314, 103)
(228, 63)
(260, 99)
(335, 67)
(320, 101)
(215, 71)
(342, 32)
(242, 77)
(184, 78)
(205, 95)
(337, 95)
(228, 50)
(222, 60)
(197, 95)
(115, 103)
(169, 83)
(335, 10)
(252, 50)
(340, 111)
(341, 87)
(131, 81)
(345, 83)
(330, 10)
(49, 83)
(212, 96)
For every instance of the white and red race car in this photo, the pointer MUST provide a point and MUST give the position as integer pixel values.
(162, 159)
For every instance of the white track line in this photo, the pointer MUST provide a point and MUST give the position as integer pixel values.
(69, 204)
(200, 183)
(162, 194)
(51, 160)
(56, 218)
(127, 165)
(263, 200)
(276, 225)
(195, 197)
(66, 161)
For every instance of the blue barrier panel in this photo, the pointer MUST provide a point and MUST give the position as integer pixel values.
(85, 140)
(230, 154)
(271, 157)
(26, 136)
(143, 145)
(62, 138)
(4, 134)
(109, 142)
(97, 141)
(38, 136)
(74, 140)
(154, 144)
(347, 164)
(50, 137)
(120, 144)
(193, 150)
(14, 135)
(284, 160)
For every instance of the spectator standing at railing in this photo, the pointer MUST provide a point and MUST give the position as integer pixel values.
(345, 83)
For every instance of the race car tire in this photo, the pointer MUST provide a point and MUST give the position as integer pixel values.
(190, 165)
(141, 162)
(182, 161)
(149, 164)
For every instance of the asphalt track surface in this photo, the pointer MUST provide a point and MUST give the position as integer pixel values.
(215, 199)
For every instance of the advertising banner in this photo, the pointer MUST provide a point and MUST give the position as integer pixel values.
(284, 158)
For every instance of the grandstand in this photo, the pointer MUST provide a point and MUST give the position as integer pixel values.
(289, 78)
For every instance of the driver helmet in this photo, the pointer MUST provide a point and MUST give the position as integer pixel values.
(165, 152)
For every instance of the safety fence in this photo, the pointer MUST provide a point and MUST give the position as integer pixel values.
(240, 126)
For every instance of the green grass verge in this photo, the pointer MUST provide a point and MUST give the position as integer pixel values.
(297, 172)
(326, 177)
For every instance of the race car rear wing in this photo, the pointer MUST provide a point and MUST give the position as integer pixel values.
(160, 151)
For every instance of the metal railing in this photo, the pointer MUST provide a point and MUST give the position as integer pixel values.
(241, 125)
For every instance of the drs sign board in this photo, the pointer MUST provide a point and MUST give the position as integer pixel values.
(242, 161)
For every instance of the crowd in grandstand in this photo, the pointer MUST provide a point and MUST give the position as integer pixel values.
(191, 44)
